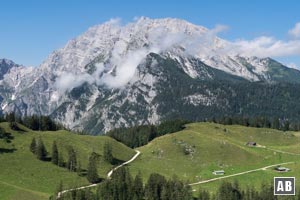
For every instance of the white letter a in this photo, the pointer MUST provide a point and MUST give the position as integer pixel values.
(280, 186)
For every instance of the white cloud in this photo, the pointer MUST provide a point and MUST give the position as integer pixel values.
(219, 28)
(265, 47)
(295, 32)
(292, 65)
(67, 80)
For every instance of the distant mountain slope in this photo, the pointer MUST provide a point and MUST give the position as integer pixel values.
(145, 72)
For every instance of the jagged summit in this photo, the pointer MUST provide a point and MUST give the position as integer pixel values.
(101, 40)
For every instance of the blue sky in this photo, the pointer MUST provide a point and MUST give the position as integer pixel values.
(32, 29)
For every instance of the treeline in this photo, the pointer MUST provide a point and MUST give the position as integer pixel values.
(72, 163)
(259, 122)
(123, 186)
(140, 135)
(233, 191)
(34, 122)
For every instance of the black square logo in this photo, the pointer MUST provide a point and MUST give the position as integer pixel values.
(284, 185)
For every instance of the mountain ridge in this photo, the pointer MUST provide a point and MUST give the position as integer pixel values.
(117, 75)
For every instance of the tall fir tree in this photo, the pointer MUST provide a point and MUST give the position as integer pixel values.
(41, 152)
(203, 195)
(92, 173)
(61, 162)
(155, 186)
(59, 188)
(55, 156)
(72, 160)
(33, 145)
(138, 188)
(107, 151)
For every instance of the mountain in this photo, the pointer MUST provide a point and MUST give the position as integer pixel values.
(145, 72)
(5, 67)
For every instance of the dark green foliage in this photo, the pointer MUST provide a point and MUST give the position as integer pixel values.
(138, 188)
(258, 122)
(203, 195)
(92, 174)
(228, 192)
(122, 187)
(155, 186)
(34, 122)
(10, 117)
(83, 194)
(61, 162)
(175, 189)
(141, 135)
(54, 155)
(79, 169)
(42, 123)
(7, 137)
(14, 126)
(41, 152)
(170, 126)
(267, 192)
(59, 188)
(33, 145)
(72, 160)
(119, 187)
(107, 153)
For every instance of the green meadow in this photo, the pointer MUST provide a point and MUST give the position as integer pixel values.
(23, 176)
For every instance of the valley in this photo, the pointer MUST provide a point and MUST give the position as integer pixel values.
(191, 154)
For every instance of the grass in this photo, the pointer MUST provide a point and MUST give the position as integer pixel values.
(192, 155)
(216, 147)
(22, 176)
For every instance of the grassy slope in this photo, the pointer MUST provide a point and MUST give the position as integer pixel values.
(218, 149)
(22, 176)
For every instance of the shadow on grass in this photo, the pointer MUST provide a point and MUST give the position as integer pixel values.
(3, 150)
(116, 161)
(47, 159)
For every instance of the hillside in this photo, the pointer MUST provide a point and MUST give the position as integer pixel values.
(194, 153)
(22, 176)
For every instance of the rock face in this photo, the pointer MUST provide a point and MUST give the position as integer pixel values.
(143, 72)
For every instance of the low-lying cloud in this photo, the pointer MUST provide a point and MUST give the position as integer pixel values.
(266, 47)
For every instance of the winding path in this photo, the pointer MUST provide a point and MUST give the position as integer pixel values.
(238, 174)
(108, 175)
(125, 163)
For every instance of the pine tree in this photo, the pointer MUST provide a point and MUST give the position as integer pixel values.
(107, 151)
(203, 195)
(72, 160)
(138, 188)
(41, 152)
(275, 123)
(61, 162)
(92, 174)
(79, 169)
(55, 155)
(33, 145)
(59, 188)
(154, 186)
